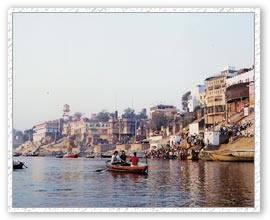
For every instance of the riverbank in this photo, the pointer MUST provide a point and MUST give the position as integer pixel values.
(244, 143)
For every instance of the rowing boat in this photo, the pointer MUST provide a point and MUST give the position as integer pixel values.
(140, 168)
(232, 156)
(18, 165)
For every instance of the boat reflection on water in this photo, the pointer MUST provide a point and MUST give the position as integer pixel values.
(129, 177)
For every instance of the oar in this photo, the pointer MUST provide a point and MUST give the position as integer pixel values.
(25, 166)
(100, 169)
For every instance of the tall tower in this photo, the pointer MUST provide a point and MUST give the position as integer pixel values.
(66, 111)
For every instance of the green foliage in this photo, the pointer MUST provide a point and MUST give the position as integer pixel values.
(128, 113)
(103, 116)
(159, 120)
(78, 115)
(185, 100)
(140, 116)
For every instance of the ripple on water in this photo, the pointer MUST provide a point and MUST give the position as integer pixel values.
(48, 182)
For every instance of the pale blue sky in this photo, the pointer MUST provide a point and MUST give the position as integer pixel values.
(90, 60)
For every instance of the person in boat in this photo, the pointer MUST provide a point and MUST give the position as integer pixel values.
(134, 160)
(123, 159)
(115, 158)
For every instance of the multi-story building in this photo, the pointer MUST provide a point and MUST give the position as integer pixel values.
(121, 130)
(196, 98)
(237, 97)
(243, 76)
(215, 96)
(251, 94)
(17, 138)
(240, 91)
(168, 110)
(98, 132)
(89, 131)
(78, 129)
(49, 128)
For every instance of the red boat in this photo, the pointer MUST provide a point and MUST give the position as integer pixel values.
(140, 168)
(71, 155)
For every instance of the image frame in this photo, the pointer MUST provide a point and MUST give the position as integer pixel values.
(257, 161)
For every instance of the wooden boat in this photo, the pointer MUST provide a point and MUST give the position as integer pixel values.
(105, 156)
(232, 156)
(17, 154)
(33, 154)
(192, 157)
(204, 155)
(70, 155)
(140, 168)
(18, 165)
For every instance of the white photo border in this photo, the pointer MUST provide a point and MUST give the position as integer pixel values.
(257, 161)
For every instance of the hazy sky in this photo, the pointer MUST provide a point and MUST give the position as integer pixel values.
(96, 61)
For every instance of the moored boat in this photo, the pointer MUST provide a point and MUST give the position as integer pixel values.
(105, 156)
(17, 154)
(90, 156)
(32, 154)
(140, 168)
(70, 155)
(232, 156)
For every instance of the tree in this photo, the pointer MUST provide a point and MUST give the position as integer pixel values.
(103, 116)
(28, 135)
(185, 100)
(78, 115)
(140, 116)
(159, 120)
(128, 113)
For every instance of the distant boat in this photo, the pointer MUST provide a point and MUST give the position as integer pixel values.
(17, 154)
(70, 155)
(232, 156)
(59, 156)
(140, 168)
(90, 156)
(33, 154)
(18, 164)
(105, 156)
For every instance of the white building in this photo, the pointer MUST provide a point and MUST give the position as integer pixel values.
(211, 137)
(241, 78)
(175, 139)
(194, 128)
(229, 71)
(196, 98)
(49, 128)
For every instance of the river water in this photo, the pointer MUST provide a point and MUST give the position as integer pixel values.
(74, 183)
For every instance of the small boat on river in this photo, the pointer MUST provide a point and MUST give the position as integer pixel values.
(70, 155)
(17, 154)
(18, 165)
(140, 168)
(105, 156)
(90, 156)
(32, 154)
(232, 156)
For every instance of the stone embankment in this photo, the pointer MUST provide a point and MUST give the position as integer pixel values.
(48, 149)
